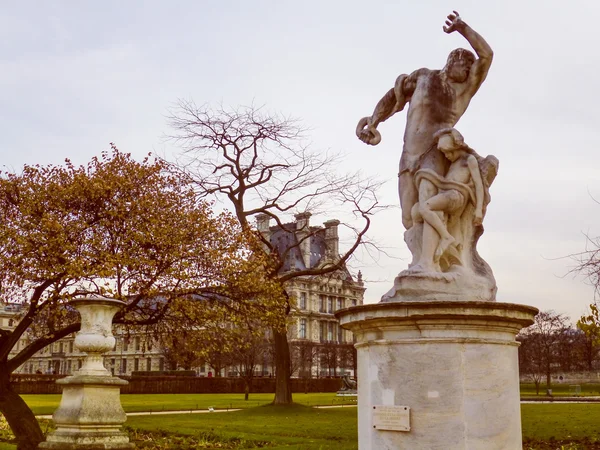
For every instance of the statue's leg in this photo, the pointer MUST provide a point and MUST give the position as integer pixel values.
(408, 197)
(430, 239)
(431, 209)
(431, 212)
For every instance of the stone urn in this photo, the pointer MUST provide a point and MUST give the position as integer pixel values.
(90, 414)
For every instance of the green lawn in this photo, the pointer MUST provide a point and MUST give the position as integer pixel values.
(296, 427)
(46, 404)
(548, 426)
(545, 426)
(589, 389)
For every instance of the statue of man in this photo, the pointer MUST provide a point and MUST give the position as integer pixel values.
(437, 100)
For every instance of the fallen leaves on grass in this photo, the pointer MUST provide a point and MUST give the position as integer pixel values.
(553, 444)
(163, 440)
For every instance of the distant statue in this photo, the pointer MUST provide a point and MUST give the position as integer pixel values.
(437, 99)
(348, 383)
(349, 387)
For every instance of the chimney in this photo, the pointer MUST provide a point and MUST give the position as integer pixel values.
(262, 224)
(332, 239)
(302, 234)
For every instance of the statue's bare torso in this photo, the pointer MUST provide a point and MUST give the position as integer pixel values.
(435, 103)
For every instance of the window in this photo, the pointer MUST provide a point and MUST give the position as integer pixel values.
(60, 347)
(137, 344)
(353, 302)
(136, 364)
(69, 366)
(330, 331)
(10, 322)
(322, 331)
(161, 364)
(340, 303)
(302, 329)
(79, 363)
(329, 304)
(148, 364)
(322, 303)
(302, 300)
(70, 346)
(125, 344)
(124, 365)
(340, 333)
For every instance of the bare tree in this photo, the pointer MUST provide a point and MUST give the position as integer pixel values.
(248, 354)
(259, 164)
(531, 363)
(304, 355)
(587, 263)
(540, 345)
(347, 358)
(337, 358)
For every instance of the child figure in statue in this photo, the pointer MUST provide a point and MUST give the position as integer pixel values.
(461, 185)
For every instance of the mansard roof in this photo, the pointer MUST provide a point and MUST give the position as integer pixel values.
(286, 238)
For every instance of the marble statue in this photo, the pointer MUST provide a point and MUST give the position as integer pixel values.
(437, 357)
(443, 184)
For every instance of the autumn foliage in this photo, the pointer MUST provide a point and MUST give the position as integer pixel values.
(124, 229)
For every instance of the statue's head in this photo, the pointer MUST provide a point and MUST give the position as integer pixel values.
(450, 142)
(459, 64)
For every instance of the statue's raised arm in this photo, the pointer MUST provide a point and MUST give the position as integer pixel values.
(479, 69)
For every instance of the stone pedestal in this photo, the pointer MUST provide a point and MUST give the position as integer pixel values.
(453, 365)
(90, 414)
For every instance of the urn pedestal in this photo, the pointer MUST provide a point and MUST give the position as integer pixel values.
(90, 414)
(438, 375)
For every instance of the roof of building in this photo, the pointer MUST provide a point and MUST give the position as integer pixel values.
(286, 238)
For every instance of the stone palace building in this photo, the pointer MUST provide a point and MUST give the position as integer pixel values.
(320, 347)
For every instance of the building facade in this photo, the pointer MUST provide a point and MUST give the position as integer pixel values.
(130, 353)
(319, 346)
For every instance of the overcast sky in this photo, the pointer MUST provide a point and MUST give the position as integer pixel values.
(80, 74)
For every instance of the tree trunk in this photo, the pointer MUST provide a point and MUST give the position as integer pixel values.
(246, 388)
(283, 384)
(19, 416)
